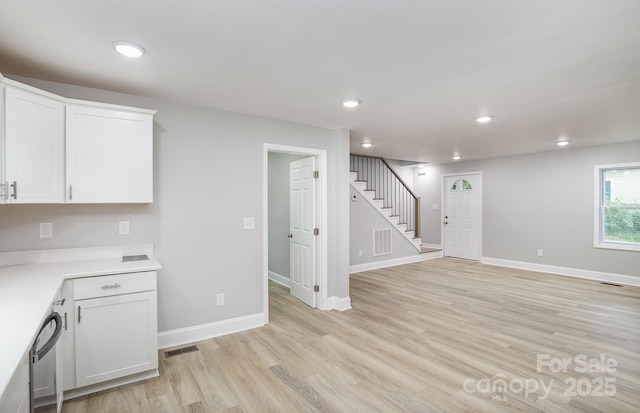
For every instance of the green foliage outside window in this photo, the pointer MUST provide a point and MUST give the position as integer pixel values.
(622, 224)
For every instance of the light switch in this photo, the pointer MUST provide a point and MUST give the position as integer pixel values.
(250, 223)
(435, 207)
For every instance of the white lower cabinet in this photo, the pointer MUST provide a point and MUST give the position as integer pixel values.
(16, 395)
(116, 330)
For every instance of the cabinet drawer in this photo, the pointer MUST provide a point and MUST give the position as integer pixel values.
(108, 285)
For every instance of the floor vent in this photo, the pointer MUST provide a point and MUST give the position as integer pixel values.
(182, 350)
(381, 241)
(612, 284)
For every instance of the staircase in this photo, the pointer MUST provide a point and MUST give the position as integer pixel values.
(381, 186)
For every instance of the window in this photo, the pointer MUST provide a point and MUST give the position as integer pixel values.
(461, 185)
(617, 215)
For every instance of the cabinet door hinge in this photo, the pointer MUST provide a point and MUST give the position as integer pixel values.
(316, 174)
(4, 192)
(316, 288)
(316, 231)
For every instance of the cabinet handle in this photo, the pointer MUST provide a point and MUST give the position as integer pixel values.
(14, 185)
(79, 316)
(70, 192)
(107, 286)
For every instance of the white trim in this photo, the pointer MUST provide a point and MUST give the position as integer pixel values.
(396, 261)
(83, 391)
(565, 271)
(435, 246)
(62, 99)
(321, 209)
(339, 303)
(443, 210)
(598, 230)
(280, 279)
(192, 334)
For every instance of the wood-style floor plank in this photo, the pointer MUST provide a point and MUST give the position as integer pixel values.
(423, 337)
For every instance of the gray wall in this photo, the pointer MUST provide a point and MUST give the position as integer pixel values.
(208, 176)
(364, 219)
(539, 201)
(279, 212)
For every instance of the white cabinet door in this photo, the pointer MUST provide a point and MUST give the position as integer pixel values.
(109, 155)
(115, 336)
(67, 342)
(34, 143)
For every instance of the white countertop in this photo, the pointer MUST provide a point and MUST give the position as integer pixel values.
(27, 291)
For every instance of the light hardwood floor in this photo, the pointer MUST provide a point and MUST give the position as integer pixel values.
(435, 336)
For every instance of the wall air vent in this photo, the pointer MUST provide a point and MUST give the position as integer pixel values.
(381, 241)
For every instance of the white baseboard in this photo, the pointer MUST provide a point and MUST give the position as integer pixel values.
(186, 335)
(393, 262)
(94, 388)
(339, 303)
(280, 279)
(566, 271)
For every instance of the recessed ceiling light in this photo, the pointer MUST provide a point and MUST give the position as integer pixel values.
(456, 157)
(128, 49)
(367, 144)
(484, 118)
(351, 103)
(562, 143)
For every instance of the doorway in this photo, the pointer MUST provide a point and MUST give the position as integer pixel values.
(279, 242)
(462, 215)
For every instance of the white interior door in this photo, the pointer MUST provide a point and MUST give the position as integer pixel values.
(302, 187)
(463, 216)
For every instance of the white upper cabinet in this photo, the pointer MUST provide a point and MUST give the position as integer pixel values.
(109, 154)
(57, 150)
(34, 148)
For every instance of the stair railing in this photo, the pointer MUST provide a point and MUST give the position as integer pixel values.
(390, 188)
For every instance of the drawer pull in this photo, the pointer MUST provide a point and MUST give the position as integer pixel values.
(114, 285)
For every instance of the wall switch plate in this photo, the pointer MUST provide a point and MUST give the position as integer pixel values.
(46, 230)
(219, 299)
(250, 223)
(359, 253)
(435, 207)
(540, 253)
(123, 228)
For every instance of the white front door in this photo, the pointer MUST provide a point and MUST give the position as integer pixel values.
(302, 187)
(463, 216)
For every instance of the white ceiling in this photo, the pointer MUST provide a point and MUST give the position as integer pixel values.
(423, 69)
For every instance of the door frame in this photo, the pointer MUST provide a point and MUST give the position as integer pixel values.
(443, 210)
(321, 219)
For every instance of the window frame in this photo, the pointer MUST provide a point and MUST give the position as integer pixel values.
(599, 194)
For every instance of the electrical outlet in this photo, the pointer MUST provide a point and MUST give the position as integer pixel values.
(123, 228)
(359, 253)
(219, 299)
(46, 230)
(540, 253)
(249, 223)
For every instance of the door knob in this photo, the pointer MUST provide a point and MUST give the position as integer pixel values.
(290, 236)
(446, 220)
